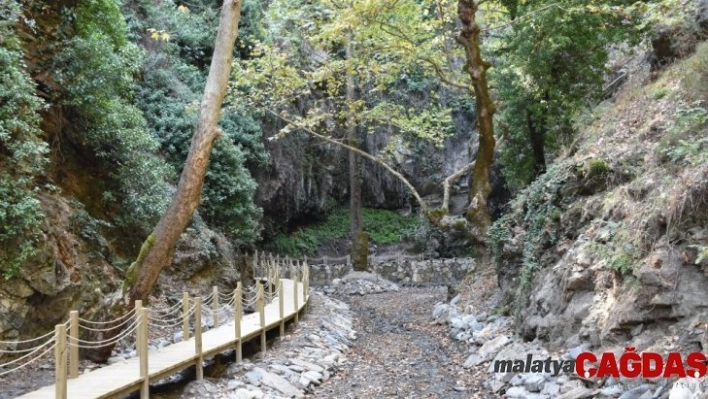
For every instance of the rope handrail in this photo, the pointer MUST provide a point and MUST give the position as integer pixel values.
(99, 344)
(117, 326)
(38, 348)
(166, 324)
(2, 373)
(26, 340)
(170, 322)
(169, 309)
(102, 323)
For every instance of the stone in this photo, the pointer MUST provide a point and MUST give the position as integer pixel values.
(686, 388)
(457, 322)
(307, 365)
(551, 389)
(243, 393)
(534, 382)
(235, 384)
(455, 300)
(492, 347)
(473, 360)
(516, 392)
(612, 391)
(253, 377)
(313, 376)
(636, 392)
(278, 383)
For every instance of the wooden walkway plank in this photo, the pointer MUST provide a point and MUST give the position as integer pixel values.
(122, 378)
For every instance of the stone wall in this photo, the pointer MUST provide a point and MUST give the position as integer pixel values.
(439, 271)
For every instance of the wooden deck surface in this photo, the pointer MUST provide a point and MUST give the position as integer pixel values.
(124, 377)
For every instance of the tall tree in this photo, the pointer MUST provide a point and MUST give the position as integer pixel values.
(359, 240)
(478, 211)
(157, 251)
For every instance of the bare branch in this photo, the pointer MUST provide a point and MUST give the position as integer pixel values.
(423, 205)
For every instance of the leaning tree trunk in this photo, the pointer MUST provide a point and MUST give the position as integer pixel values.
(478, 212)
(359, 241)
(159, 248)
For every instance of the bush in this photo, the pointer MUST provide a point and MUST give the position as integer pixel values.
(22, 153)
(383, 227)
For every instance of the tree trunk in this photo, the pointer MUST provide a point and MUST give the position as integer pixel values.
(536, 138)
(359, 243)
(478, 213)
(158, 254)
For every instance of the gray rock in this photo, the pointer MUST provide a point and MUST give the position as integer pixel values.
(492, 347)
(235, 384)
(637, 392)
(576, 351)
(313, 376)
(308, 365)
(551, 389)
(253, 377)
(517, 392)
(243, 393)
(278, 383)
(473, 360)
(613, 391)
(534, 382)
(686, 388)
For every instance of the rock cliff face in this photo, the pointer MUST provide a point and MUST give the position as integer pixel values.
(306, 177)
(67, 272)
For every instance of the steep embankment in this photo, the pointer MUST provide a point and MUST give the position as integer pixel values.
(610, 245)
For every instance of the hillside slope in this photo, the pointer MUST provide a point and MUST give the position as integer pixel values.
(610, 246)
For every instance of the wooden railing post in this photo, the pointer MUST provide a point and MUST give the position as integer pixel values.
(324, 259)
(60, 358)
(281, 307)
(297, 308)
(138, 331)
(185, 316)
(215, 306)
(237, 319)
(306, 284)
(198, 337)
(143, 344)
(74, 344)
(260, 300)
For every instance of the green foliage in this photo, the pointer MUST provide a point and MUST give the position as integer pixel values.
(95, 69)
(174, 73)
(22, 154)
(382, 226)
(687, 143)
(553, 64)
(537, 211)
(614, 246)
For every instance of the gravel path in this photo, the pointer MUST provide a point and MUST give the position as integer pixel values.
(400, 352)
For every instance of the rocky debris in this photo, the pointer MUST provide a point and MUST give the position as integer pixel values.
(360, 283)
(299, 362)
(490, 340)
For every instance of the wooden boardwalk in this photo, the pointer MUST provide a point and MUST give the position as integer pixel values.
(123, 378)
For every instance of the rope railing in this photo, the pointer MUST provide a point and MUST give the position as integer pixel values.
(85, 344)
(133, 326)
(103, 323)
(106, 329)
(28, 362)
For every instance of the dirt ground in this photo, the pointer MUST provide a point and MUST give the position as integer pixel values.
(401, 353)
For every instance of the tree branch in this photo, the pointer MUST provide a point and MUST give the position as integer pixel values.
(399, 176)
